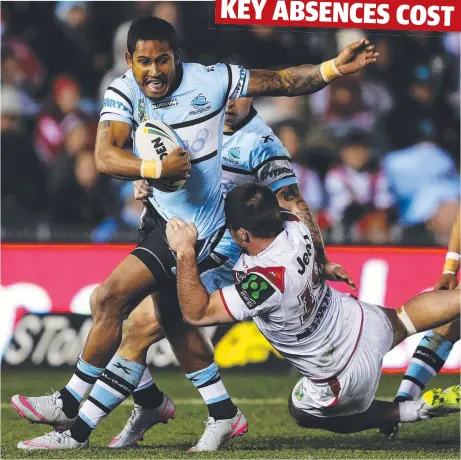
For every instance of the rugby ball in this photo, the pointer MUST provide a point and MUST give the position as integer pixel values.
(154, 140)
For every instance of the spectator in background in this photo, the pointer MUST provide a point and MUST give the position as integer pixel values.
(425, 182)
(120, 66)
(22, 174)
(359, 199)
(59, 117)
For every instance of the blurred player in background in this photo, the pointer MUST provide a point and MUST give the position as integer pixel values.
(159, 86)
(434, 348)
(335, 341)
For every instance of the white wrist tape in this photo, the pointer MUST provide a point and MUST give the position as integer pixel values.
(453, 256)
(406, 321)
(329, 71)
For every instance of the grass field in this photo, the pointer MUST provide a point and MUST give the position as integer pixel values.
(262, 397)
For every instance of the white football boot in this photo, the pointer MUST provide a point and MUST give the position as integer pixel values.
(53, 441)
(43, 409)
(142, 420)
(217, 432)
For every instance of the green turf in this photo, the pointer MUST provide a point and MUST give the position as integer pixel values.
(263, 399)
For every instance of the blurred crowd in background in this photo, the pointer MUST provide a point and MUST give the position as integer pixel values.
(376, 154)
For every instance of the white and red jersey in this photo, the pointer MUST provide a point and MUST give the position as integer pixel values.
(297, 312)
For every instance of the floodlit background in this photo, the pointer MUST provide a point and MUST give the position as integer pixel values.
(377, 153)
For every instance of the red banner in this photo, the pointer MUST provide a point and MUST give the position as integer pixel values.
(424, 15)
(60, 278)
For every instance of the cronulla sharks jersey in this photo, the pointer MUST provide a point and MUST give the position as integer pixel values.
(196, 112)
(253, 154)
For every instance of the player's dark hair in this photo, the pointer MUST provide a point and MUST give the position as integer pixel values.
(253, 207)
(151, 28)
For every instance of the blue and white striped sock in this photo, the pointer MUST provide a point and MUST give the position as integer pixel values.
(426, 362)
(117, 382)
(210, 386)
(83, 380)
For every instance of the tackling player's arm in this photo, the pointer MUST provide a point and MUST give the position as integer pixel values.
(198, 307)
(448, 279)
(309, 78)
(112, 159)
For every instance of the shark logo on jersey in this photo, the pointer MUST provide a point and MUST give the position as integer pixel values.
(235, 152)
(233, 155)
(200, 103)
(142, 114)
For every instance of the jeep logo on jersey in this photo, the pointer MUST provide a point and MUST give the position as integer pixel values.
(199, 101)
(254, 290)
(276, 172)
(304, 261)
(235, 152)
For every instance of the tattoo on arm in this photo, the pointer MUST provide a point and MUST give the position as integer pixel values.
(290, 194)
(294, 81)
(104, 131)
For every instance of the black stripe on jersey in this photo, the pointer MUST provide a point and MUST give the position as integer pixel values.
(127, 99)
(206, 157)
(237, 170)
(186, 124)
(415, 381)
(229, 85)
(280, 157)
(99, 404)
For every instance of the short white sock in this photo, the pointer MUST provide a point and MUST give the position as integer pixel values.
(409, 411)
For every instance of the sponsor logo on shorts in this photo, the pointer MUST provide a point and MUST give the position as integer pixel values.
(299, 391)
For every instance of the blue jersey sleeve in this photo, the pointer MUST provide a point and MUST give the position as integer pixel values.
(272, 164)
(118, 102)
(234, 79)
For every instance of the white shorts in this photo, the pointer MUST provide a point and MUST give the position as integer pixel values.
(353, 389)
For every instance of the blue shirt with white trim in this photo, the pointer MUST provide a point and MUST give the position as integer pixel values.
(196, 112)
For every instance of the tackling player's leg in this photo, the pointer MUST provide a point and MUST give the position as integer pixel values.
(418, 314)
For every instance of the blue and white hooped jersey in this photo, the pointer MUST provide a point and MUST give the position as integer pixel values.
(196, 112)
(253, 154)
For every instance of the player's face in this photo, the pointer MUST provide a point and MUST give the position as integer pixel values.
(237, 110)
(154, 67)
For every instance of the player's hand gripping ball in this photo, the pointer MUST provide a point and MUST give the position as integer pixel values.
(155, 140)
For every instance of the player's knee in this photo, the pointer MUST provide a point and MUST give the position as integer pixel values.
(106, 301)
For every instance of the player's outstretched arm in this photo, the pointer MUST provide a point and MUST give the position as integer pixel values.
(309, 78)
(112, 159)
(448, 279)
(197, 306)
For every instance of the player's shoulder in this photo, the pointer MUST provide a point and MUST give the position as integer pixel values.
(124, 83)
(208, 72)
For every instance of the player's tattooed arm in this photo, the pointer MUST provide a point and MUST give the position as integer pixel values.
(290, 198)
(110, 156)
(308, 78)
